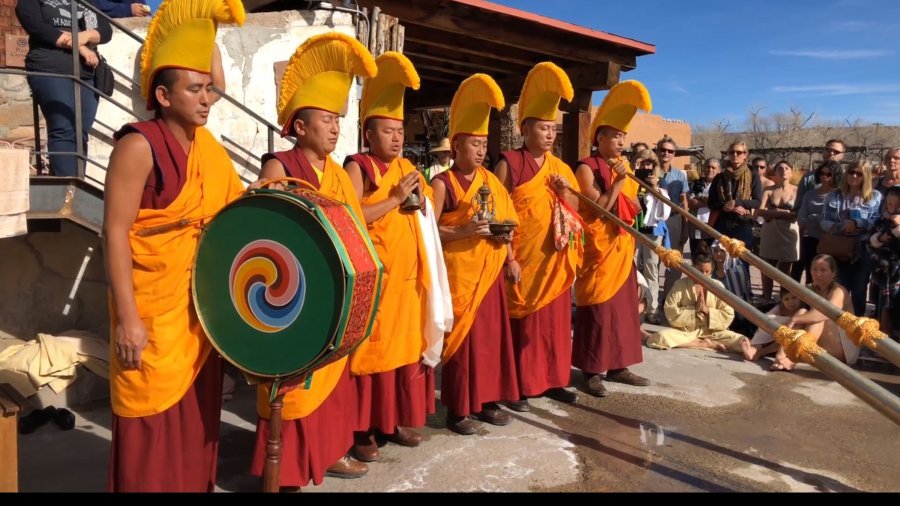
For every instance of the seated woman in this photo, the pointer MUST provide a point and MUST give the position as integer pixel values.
(763, 344)
(829, 335)
(699, 318)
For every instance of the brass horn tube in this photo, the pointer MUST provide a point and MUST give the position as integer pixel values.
(799, 345)
(861, 330)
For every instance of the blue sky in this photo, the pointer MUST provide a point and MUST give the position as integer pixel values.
(718, 59)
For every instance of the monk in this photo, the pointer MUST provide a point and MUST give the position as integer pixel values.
(395, 390)
(317, 430)
(540, 303)
(166, 178)
(479, 358)
(607, 334)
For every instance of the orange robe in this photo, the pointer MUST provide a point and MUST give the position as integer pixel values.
(607, 332)
(474, 263)
(166, 414)
(300, 402)
(176, 346)
(393, 387)
(318, 421)
(540, 303)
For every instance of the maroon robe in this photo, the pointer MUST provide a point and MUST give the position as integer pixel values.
(312, 443)
(176, 450)
(607, 336)
(542, 339)
(483, 369)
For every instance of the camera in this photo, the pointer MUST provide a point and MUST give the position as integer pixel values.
(643, 174)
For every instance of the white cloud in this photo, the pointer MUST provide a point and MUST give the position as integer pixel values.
(839, 89)
(834, 54)
(680, 89)
(852, 26)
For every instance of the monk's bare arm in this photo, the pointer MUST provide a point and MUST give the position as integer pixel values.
(272, 169)
(501, 170)
(129, 167)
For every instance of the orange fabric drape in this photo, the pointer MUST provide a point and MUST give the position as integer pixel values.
(300, 402)
(473, 264)
(608, 254)
(397, 337)
(177, 347)
(546, 272)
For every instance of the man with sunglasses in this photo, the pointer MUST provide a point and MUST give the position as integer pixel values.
(674, 181)
(833, 152)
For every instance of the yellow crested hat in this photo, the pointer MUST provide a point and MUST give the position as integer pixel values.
(620, 105)
(182, 34)
(545, 84)
(320, 73)
(471, 106)
(382, 95)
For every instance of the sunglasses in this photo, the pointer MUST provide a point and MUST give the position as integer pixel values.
(855, 173)
(759, 167)
(825, 174)
(664, 150)
(734, 152)
(833, 151)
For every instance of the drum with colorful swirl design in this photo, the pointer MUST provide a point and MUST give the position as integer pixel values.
(285, 282)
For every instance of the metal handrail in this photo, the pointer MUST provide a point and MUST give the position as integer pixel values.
(78, 80)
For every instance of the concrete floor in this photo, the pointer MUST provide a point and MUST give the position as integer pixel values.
(709, 422)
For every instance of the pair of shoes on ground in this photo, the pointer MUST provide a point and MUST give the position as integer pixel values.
(365, 446)
(347, 468)
(653, 319)
(490, 413)
(62, 417)
(594, 384)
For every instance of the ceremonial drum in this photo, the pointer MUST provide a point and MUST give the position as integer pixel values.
(285, 282)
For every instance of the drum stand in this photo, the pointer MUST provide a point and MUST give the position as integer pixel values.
(272, 469)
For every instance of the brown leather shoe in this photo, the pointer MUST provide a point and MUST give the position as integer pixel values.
(627, 377)
(520, 405)
(595, 386)
(365, 449)
(405, 437)
(492, 414)
(346, 469)
(460, 424)
(561, 395)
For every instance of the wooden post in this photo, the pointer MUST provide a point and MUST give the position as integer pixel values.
(576, 122)
(272, 469)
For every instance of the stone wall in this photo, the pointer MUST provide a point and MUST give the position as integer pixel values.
(40, 285)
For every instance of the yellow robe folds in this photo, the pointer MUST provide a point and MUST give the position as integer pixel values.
(397, 337)
(177, 347)
(474, 263)
(608, 254)
(546, 272)
(300, 402)
(688, 324)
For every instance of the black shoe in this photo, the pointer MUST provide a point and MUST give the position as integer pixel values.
(561, 395)
(34, 420)
(64, 419)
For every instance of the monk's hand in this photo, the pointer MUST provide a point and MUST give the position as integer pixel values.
(262, 183)
(618, 168)
(131, 339)
(513, 271)
(475, 228)
(559, 184)
(404, 187)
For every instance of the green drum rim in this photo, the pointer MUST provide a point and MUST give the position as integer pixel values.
(246, 339)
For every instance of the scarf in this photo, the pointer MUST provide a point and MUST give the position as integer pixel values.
(740, 176)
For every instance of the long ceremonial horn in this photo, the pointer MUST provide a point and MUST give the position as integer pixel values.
(800, 346)
(861, 330)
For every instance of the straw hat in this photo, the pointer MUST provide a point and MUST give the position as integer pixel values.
(443, 146)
